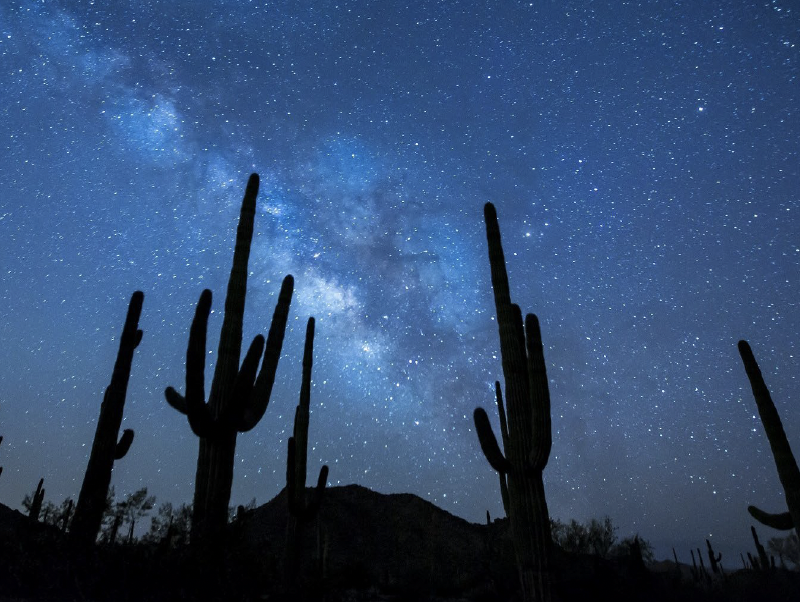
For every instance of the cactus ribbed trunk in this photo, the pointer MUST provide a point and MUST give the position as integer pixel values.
(525, 428)
(213, 485)
(106, 448)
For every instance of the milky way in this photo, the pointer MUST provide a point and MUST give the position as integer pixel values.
(643, 159)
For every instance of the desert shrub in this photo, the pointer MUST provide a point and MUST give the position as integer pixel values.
(595, 537)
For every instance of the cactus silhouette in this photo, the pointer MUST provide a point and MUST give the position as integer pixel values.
(67, 515)
(501, 411)
(105, 449)
(239, 395)
(714, 559)
(788, 473)
(527, 437)
(301, 510)
(36, 501)
(763, 561)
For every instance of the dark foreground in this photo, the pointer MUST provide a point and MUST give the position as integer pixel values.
(366, 547)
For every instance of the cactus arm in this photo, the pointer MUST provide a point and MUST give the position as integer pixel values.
(194, 404)
(501, 410)
(504, 490)
(124, 444)
(175, 400)
(316, 496)
(249, 368)
(252, 412)
(785, 462)
(243, 385)
(540, 391)
(489, 442)
(781, 522)
(515, 371)
(198, 413)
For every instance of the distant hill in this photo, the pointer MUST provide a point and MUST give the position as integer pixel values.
(407, 546)
(398, 541)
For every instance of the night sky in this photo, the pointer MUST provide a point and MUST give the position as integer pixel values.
(643, 159)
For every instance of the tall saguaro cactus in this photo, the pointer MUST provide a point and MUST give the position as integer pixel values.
(526, 427)
(239, 394)
(106, 448)
(301, 510)
(788, 473)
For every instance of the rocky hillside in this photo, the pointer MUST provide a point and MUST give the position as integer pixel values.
(398, 541)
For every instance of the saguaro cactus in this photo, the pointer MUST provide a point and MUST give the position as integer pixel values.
(788, 473)
(36, 501)
(239, 397)
(67, 515)
(301, 510)
(714, 559)
(527, 434)
(105, 449)
(764, 562)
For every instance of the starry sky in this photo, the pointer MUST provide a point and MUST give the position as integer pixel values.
(643, 159)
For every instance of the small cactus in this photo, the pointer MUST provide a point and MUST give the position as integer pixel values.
(695, 571)
(763, 559)
(678, 573)
(716, 568)
(703, 570)
(67, 515)
(36, 501)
